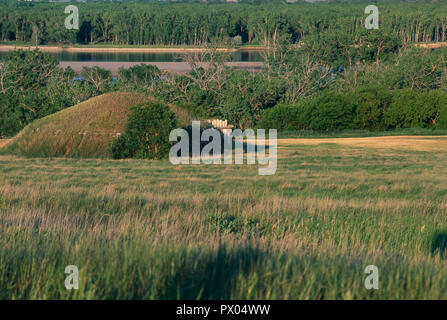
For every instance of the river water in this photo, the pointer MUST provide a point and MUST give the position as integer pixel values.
(239, 56)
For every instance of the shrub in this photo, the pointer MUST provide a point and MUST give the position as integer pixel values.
(245, 96)
(370, 104)
(119, 149)
(99, 79)
(439, 99)
(415, 108)
(327, 112)
(139, 76)
(442, 119)
(147, 133)
(283, 117)
(435, 102)
(193, 110)
(330, 111)
(24, 77)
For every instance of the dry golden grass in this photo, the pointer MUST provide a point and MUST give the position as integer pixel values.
(433, 45)
(3, 142)
(411, 143)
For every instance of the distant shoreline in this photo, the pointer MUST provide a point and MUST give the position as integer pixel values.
(55, 49)
(161, 49)
(174, 67)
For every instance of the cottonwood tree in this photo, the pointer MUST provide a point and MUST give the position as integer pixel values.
(99, 78)
(301, 72)
(418, 68)
(208, 70)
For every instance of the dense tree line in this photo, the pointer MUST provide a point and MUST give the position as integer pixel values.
(136, 23)
(335, 73)
(296, 90)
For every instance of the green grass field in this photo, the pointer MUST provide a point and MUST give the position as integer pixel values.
(151, 230)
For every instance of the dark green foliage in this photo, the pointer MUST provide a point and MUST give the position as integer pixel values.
(368, 108)
(370, 102)
(414, 108)
(228, 223)
(283, 117)
(245, 96)
(377, 45)
(330, 111)
(342, 49)
(119, 148)
(439, 244)
(98, 79)
(11, 119)
(24, 76)
(442, 119)
(139, 77)
(326, 112)
(197, 111)
(32, 86)
(196, 23)
(335, 53)
(147, 133)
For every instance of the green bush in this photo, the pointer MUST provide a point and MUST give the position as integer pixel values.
(330, 111)
(441, 122)
(119, 149)
(139, 77)
(415, 108)
(370, 104)
(370, 108)
(283, 117)
(194, 110)
(438, 99)
(147, 133)
(25, 75)
(245, 96)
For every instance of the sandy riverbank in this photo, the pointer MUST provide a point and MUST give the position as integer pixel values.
(175, 67)
(55, 49)
(433, 45)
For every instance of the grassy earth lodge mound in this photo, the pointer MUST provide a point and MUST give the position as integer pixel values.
(84, 130)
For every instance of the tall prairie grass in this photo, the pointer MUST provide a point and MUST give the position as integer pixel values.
(150, 230)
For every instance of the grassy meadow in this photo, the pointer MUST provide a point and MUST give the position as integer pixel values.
(141, 229)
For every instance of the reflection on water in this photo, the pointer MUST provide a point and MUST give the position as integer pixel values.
(142, 56)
